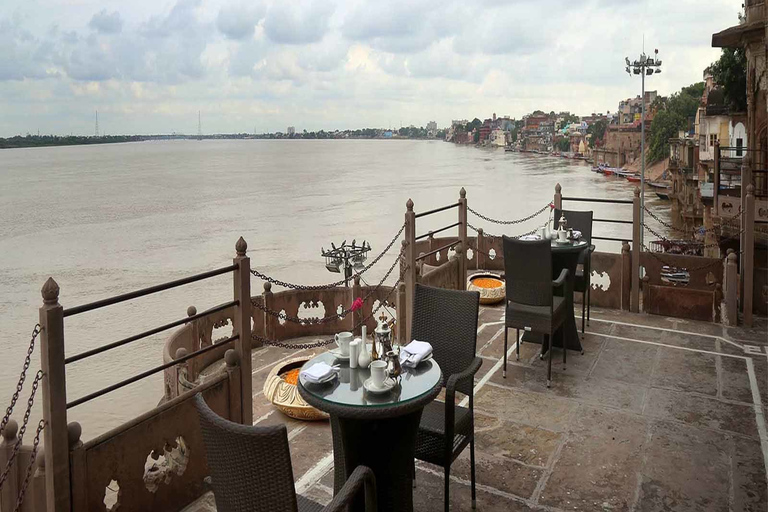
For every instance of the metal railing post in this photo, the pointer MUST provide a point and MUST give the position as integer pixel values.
(558, 202)
(58, 493)
(748, 253)
(636, 231)
(410, 261)
(242, 327)
(463, 238)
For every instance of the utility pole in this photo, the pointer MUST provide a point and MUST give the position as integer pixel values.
(199, 127)
(646, 65)
(96, 131)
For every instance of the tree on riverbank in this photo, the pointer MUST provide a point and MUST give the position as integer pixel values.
(673, 114)
(34, 141)
(597, 132)
(730, 73)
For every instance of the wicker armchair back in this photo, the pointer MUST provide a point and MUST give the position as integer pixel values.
(528, 271)
(250, 466)
(447, 319)
(578, 220)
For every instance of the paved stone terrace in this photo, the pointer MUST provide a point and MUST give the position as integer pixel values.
(658, 414)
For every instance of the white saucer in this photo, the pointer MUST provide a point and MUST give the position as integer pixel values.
(371, 388)
(338, 355)
(562, 242)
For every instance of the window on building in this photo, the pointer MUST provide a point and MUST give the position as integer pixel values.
(739, 146)
(712, 139)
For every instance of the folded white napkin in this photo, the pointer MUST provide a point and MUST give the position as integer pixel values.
(318, 372)
(413, 353)
(530, 237)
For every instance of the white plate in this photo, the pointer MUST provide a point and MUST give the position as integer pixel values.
(338, 355)
(562, 242)
(371, 387)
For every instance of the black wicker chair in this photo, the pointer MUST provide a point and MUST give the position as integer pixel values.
(531, 303)
(251, 469)
(447, 319)
(582, 221)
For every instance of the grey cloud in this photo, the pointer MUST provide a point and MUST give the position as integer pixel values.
(23, 55)
(106, 23)
(239, 21)
(298, 22)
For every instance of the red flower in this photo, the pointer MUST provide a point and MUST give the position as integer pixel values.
(357, 304)
(551, 206)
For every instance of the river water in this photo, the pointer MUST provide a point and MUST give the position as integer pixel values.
(107, 219)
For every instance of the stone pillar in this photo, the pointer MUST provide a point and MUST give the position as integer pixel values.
(401, 314)
(78, 466)
(270, 322)
(194, 332)
(432, 245)
(558, 202)
(636, 230)
(480, 249)
(10, 488)
(58, 495)
(729, 315)
(461, 274)
(236, 377)
(748, 255)
(410, 262)
(242, 327)
(626, 276)
(463, 238)
(710, 238)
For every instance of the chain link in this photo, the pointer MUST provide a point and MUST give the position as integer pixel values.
(667, 225)
(658, 257)
(329, 318)
(23, 429)
(703, 246)
(30, 466)
(489, 235)
(518, 221)
(323, 343)
(293, 286)
(22, 377)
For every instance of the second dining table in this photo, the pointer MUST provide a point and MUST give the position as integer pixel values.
(377, 430)
(564, 256)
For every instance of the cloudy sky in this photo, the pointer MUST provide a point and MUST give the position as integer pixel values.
(148, 66)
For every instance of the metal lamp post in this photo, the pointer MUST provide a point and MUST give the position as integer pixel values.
(645, 65)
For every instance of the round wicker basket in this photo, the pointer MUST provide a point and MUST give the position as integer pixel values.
(488, 295)
(286, 396)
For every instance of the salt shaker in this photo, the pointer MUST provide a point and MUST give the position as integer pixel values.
(354, 352)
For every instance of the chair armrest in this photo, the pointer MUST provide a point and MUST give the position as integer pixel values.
(362, 476)
(561, 279)
(591, 249)
(450, 396)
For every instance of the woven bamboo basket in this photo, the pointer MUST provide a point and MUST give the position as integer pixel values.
(285, 396)
(488, 295)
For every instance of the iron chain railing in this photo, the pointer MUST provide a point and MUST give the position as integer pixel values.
(30, 466)
(22, 377)
(329, 318)
(293, 286)
(660, 258)
(23, 429)
(518, 221)
(667, 225)
(703, 246)
(489, 235)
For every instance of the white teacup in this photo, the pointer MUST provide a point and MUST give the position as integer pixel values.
(342, 340)
(378, 373)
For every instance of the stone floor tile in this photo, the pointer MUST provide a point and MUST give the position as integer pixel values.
(499, 473)
(735, 379)
(495, 348)
(576, 363)
(625, 361)
(428, 496)
(506, 439)
(699, 327)
(686, 469)
(694, 341)
(309, 446)
(596, 326)
(593, 390)
(598, 465)
(749, 476)
(319, 494)
(205, 503)
(757, 335)
(701, 411)
(685, 370)
(533, 409)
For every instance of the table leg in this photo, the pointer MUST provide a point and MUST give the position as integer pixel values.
(387, 446)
